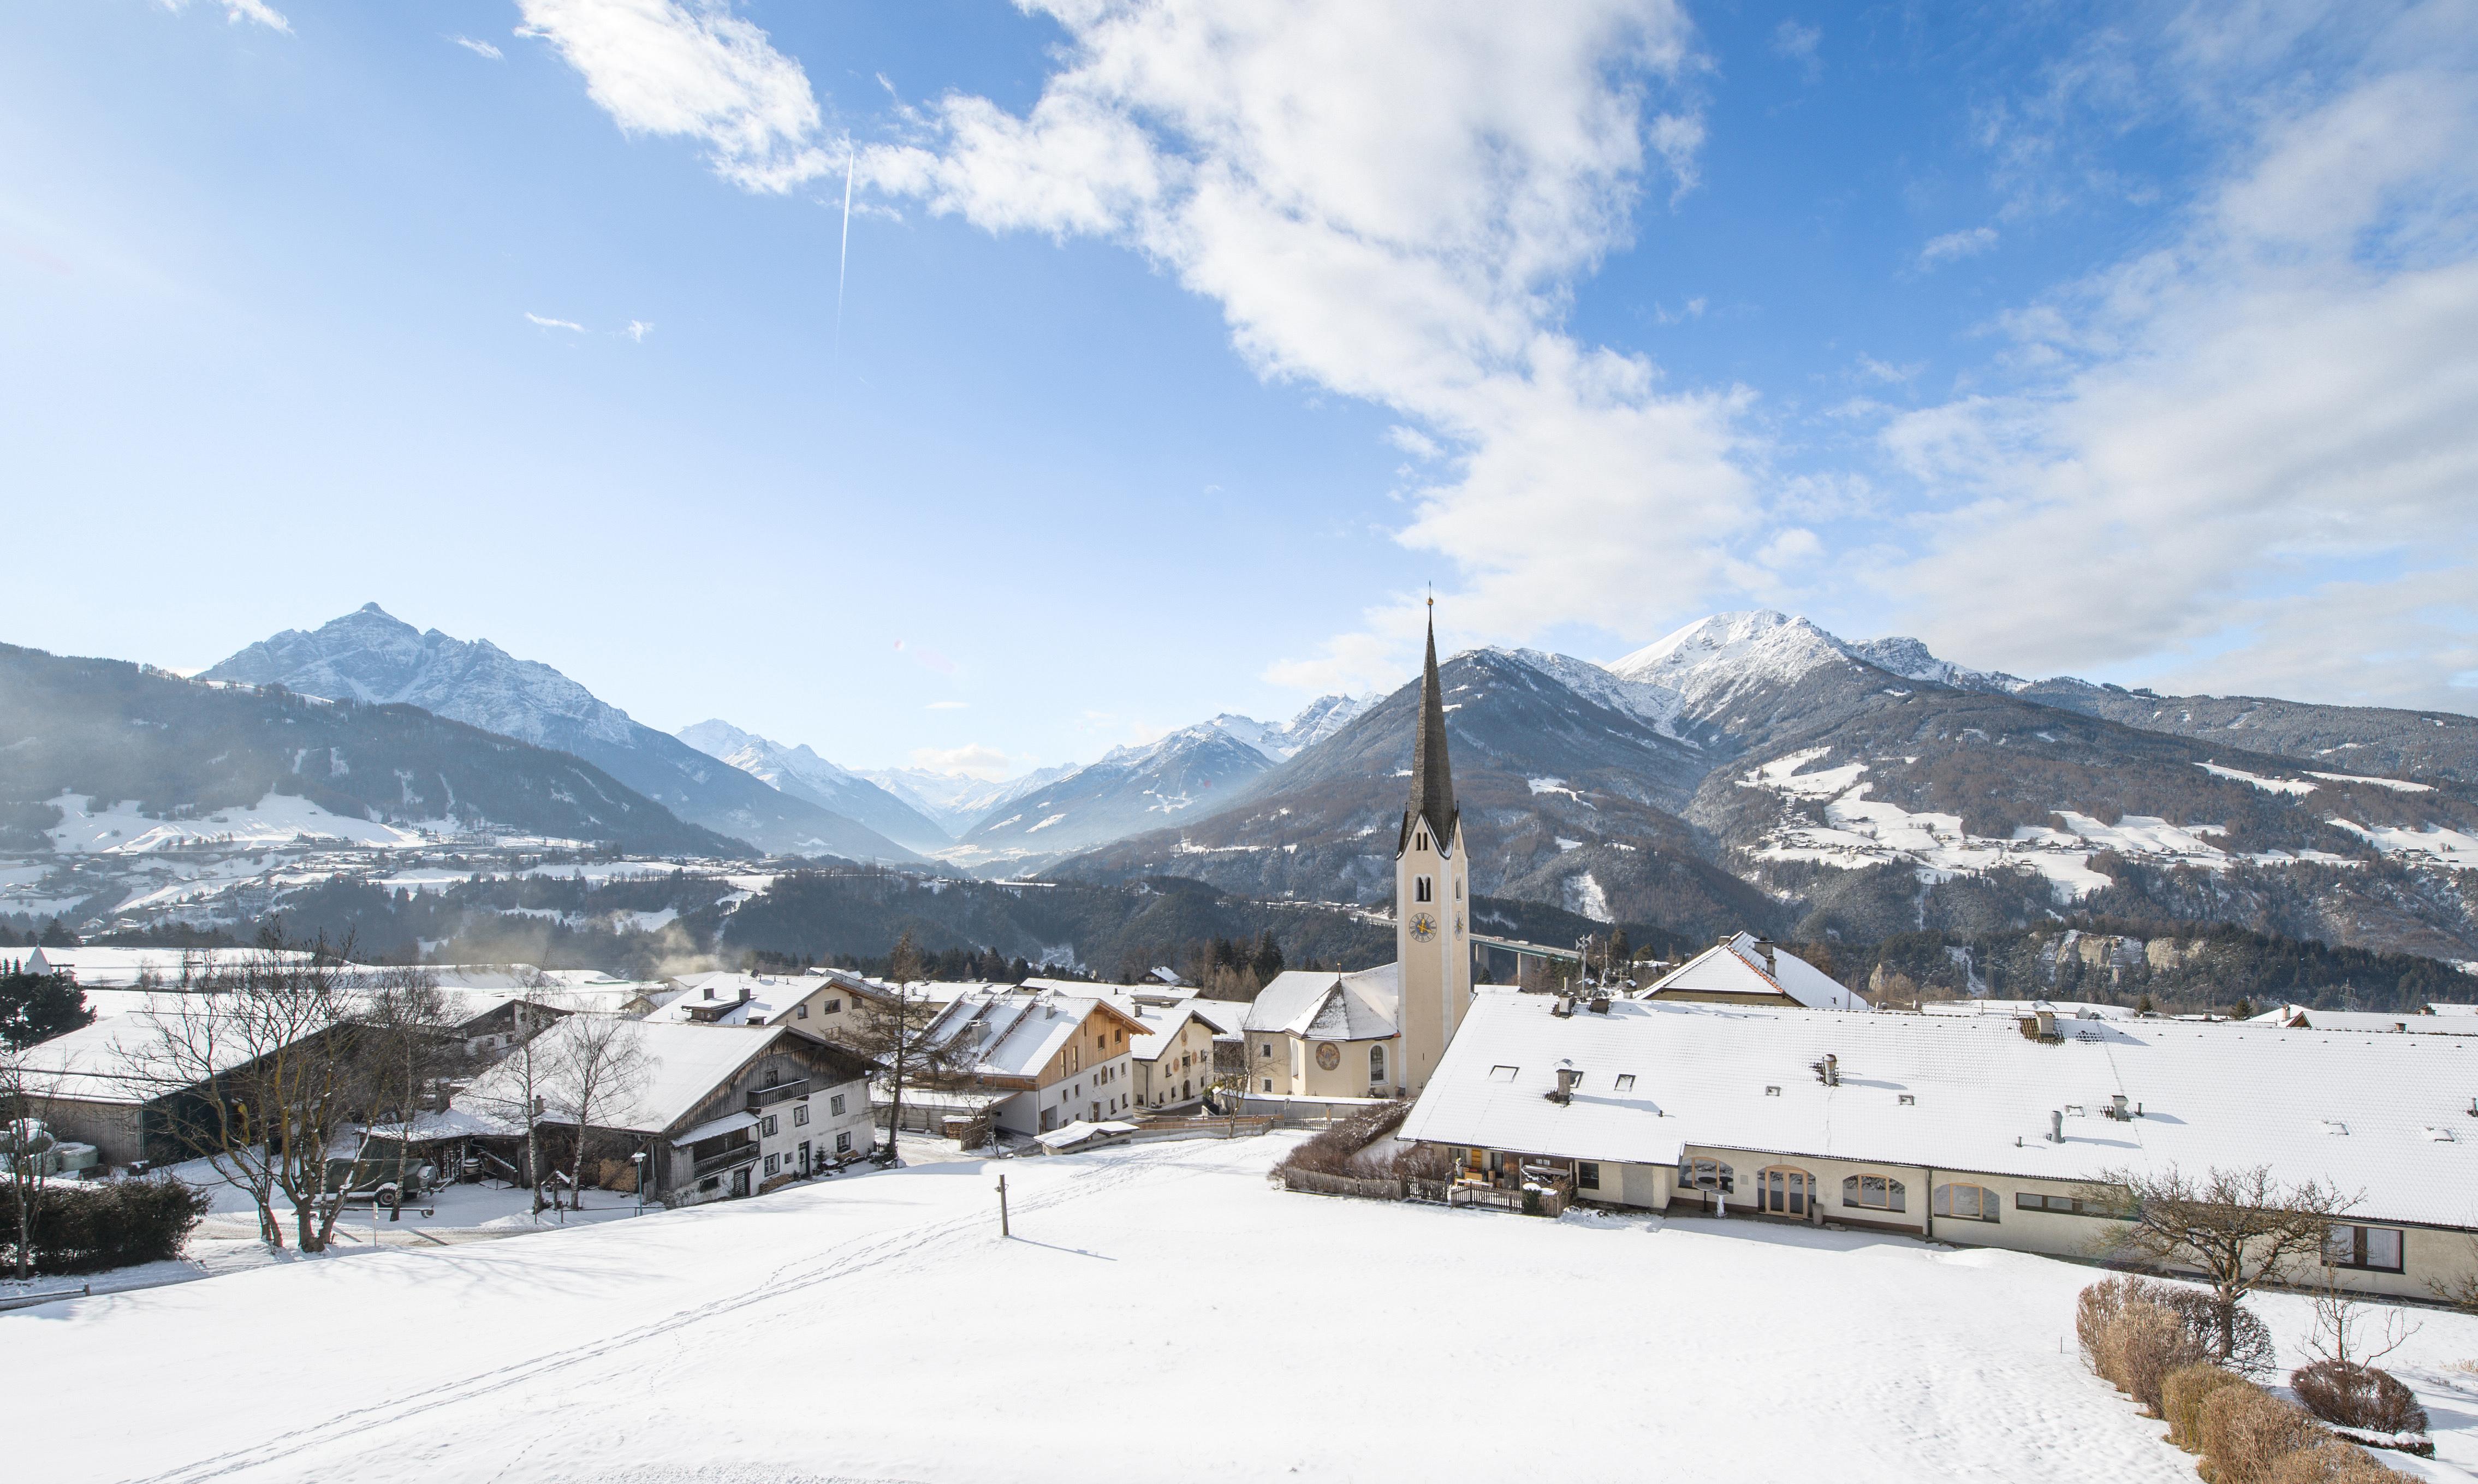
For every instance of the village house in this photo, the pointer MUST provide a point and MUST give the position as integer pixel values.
(116, 1084)
(1744, 969)
(1037, 1059)
(828, 1002)
(1977, 1131)
(1172, 1060)
(717, 1110)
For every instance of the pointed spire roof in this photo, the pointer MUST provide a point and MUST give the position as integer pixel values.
(1432, 776)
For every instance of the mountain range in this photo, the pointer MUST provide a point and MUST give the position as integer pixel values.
(1749, 770)
(374, 658)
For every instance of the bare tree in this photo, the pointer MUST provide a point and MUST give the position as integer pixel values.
(267, 1064)
(598, 1061)
(516, 1090)
(407, 1028)
(895, 1033)
(2241, 1227)
(2338, 1315)
(25, 1142)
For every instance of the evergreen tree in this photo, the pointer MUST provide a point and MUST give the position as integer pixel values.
(1268, 960)
(56, 936)
(36, 1007)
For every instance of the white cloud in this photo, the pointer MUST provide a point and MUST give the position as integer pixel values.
(1965, 244)
(554, 324)
(637, 330)
(1798, 43)
(1392, 201)
(2215, 427)
(237, 10)
(973, 760)
(946, 706)
(692, 69)
(478, 48)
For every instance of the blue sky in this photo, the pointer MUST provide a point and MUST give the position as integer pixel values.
(1182, 346)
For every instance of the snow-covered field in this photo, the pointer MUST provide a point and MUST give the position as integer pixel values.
(1160, 1314)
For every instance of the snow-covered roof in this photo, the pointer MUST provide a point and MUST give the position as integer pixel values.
(121, 968)
(1013, 1033)
(717, 998)
(1744, 963)
(1068, 1136)
(716, 1128)
(2305, 1018)
(684, 1065)
(121, 1059)
(1327, 1006)
(445, 1123)
(1161, 1031)
(2015, 1009)
(2441, 1008)
(2388, 1114)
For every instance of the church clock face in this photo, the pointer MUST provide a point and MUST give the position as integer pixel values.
(1423, 927)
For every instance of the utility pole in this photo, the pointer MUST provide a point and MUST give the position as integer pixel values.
(1003, 1211)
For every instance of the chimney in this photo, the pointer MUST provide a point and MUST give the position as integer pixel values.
(1829, 1071)
(2118, 1111)
(1601, 1003)
(1564, 1007)
(1766, 949)
(1567, 1078)
(744, 994)
(2056, 1125)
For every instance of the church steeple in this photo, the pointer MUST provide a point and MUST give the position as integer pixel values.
(1432, 776)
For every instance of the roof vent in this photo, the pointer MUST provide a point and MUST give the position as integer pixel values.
(1910, 1100)
(1564, 1007)
(1827, 1070)
(2118, 1110)
(2335, 1126)
(1772, 1092)
(2438, 1135)
(2056, 1125)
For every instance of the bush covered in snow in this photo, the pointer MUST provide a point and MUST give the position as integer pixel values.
(89, 1226)
(2360, 1396)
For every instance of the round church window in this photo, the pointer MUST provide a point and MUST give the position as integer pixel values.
(1328, 1056)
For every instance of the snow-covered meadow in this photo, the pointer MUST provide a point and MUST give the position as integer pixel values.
(1160, 1313)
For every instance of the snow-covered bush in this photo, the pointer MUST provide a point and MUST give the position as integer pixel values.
(2143, 1347)
(94, 1224)
(1333, 1149)
(2332, 1463)
(2361, 1397)
(2247, 1432)
(2183, 1395)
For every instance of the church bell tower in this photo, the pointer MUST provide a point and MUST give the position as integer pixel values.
(1432, 893)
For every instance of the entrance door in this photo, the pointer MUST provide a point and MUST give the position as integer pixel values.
(1785, 1192)
(740, 1181)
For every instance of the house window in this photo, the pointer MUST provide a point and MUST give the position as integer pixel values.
(801, 1116)
(1626, 1082)
(768, 1132)
(803, 1011)
(1269, 1084)
(2374, 1248)
(835, 1106)
(1375, 1064)
(1266, 1050)
(2062, 1205)
(834, 1007)
(1707, 1174)
(1873, 1192)
(1422, 889)
(1587, 1177)
(843, 1143)
(1966, 1202)
(773, 1161)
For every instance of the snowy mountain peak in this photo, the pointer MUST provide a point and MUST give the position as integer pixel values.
(1912, 660)
(1726, 649)
(797, 771)
(1318, 720)
(769, 760)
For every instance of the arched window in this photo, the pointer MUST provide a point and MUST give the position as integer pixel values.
(1419, 838)
(1965, 1202)
(1873, 1192)
(1422, 889)
(1376, 1064)
(1707, 1174)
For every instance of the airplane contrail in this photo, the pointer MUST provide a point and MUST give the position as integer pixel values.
(842, 265)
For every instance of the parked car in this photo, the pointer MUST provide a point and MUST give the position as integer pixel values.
(384, 1177)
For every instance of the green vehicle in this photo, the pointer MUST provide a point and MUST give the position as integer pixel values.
(384, 1174)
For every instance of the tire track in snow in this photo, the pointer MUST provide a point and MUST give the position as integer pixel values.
(354, 1424)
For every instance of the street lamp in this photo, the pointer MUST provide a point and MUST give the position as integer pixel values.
(637, 1159)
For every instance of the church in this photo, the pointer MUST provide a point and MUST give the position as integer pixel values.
(1382, 1032)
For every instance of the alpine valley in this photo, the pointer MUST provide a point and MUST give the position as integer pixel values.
(1750, 771)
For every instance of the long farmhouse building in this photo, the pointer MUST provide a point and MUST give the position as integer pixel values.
(1984, 1131)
